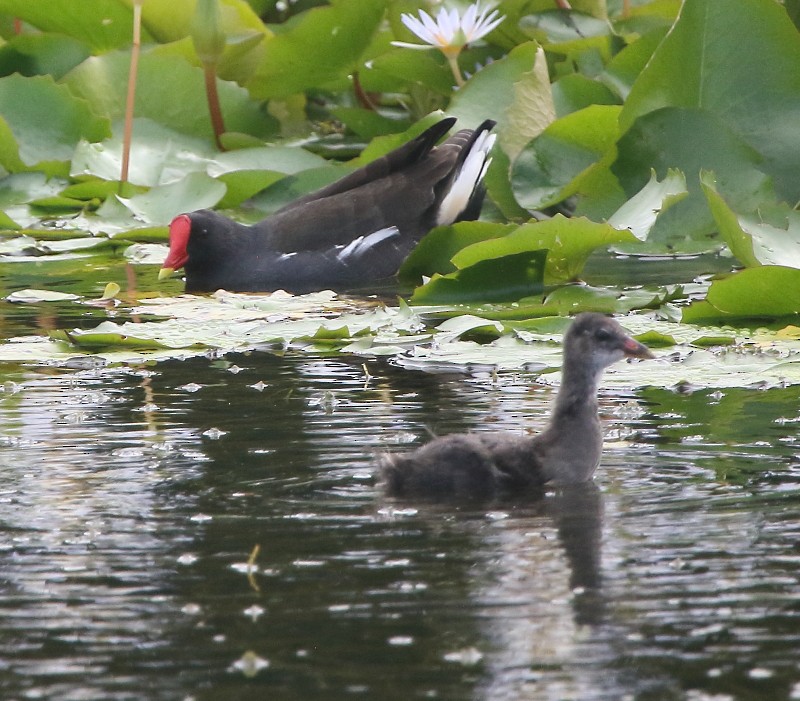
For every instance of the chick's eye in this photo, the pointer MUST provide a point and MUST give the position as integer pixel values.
(602, 335)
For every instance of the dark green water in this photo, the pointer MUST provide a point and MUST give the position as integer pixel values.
(130, 501)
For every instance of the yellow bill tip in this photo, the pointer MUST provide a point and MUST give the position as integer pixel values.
(165, 273)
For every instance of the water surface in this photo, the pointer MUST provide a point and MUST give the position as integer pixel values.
(131, 500)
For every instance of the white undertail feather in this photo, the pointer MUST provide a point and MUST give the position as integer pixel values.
(472, 171)
(362, 244)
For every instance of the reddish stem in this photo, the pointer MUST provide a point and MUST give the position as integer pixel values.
(361, 96)
(214, 109)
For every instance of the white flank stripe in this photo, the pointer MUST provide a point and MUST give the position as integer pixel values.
(472, 171)
(362, 244)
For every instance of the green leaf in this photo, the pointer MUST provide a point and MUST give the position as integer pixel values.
(323, 44)
(690, 140)
(531, 111)
(161, 204)
(764, 292)
(549, 169)
(640, 212)
(169, 91)
(281, 159)
(42, 54)
(577, 33)
(293, 186)
(496, 280)
(367, 123)
(427, 68)
(571, 299)
(243, 184)
(751, 239)
(7, 223)
(381, 145)
(493, 93)
(569, 242)
(95, 188)
(434, 253)
(575, 92)
(102, 24)
(623, 70)
(738, 62)
(44, 123)
(158, 155)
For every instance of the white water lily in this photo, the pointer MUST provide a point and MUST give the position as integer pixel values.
(450, 32)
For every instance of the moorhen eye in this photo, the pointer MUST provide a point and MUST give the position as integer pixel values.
(484, 466)
(349, 235)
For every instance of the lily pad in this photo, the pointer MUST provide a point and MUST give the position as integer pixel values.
(102, 24)
(36, 296)
(548, 170)
(639, 213)
(753, 240)
(765, 292)
(757, 102)
(161, 204)
(42, 122)
(169, 91)
(569, 242)
(323, 45)
(498, 279)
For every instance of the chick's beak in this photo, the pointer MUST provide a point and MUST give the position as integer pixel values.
(634, 349)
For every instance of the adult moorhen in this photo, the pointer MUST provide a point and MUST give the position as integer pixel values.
(483, 466)
(350, 234)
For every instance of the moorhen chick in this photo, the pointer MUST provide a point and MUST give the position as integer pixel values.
(484, 466)
(351, 234)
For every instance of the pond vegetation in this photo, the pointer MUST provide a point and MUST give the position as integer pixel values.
(645, 166)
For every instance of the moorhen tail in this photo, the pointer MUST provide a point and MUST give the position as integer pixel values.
(483, 466)
(351, 234)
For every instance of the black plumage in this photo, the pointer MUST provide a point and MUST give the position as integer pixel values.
(350, 234)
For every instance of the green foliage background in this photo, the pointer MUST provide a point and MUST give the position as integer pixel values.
(669, 130)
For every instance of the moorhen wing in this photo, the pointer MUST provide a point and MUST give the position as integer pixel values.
(351, 234)
(483, 466)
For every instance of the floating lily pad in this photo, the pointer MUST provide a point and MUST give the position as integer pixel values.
(36, 296)
(765, 292)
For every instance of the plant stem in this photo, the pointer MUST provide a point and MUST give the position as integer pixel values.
(132, 76)
(452, 59)
(361, 96)
(214, 109)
